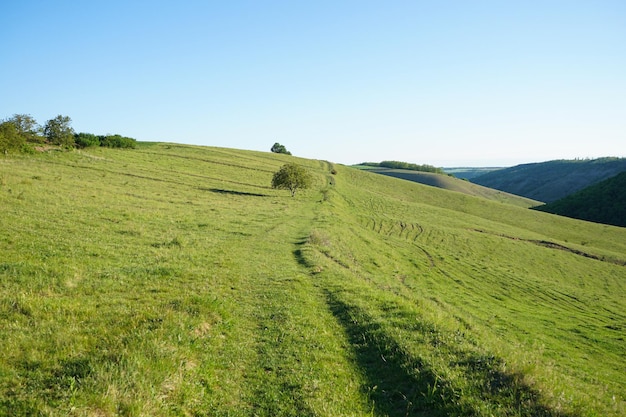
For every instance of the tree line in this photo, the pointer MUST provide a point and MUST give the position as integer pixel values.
(22, 133)
(404, 165)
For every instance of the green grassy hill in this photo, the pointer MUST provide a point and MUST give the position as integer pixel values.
(449, 183)
(604, 202)
(172, 280)
(552, 180)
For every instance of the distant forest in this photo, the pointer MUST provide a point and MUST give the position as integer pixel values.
(552, 180)
(404, 165)
(604, 202)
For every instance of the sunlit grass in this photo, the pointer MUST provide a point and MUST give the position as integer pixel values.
(172, 280)
(548, 321)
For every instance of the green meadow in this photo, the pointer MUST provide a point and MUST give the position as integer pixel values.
(172, 280)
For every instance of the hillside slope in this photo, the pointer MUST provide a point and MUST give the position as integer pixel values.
(468, 173)
(604, 202)
(552, 180)
(455, 184)
(172, 280)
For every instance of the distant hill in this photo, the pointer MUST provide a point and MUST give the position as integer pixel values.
(451, 183)
(403, 165)
(468, 173)
(552, 180)
(604, 202)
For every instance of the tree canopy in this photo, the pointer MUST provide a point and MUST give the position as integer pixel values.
(603, 202)
(19, 132)
(278, 148)
(405, 165)
(26, 127)
(291, 177)
(10, 139)
(58, 131)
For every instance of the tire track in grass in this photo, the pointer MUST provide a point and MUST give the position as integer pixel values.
(412, 366)
(558, 246)
(297, 365)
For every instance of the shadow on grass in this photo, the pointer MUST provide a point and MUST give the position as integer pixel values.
(400, 384)
(301, 259)
(233, 192)
(279, 398)
(299, 254)
(396, 384)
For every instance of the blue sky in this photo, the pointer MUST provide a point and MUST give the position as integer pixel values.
(446, 83)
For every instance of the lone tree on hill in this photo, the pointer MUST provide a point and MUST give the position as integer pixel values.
(278, 148)
(291, 177)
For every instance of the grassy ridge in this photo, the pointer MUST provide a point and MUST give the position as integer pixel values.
(468, 173)
(172, 280)
(454, 184)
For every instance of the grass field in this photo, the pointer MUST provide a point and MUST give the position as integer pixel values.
(172, 280)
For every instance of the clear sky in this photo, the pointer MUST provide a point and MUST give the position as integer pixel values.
(446, 83)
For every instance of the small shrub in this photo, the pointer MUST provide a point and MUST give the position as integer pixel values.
(27, 148)
(318, 238)
(86, 140)
(278, 148)
(117, 141)
(10, 139)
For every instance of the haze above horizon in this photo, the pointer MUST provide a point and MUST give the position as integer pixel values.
(450, 83)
